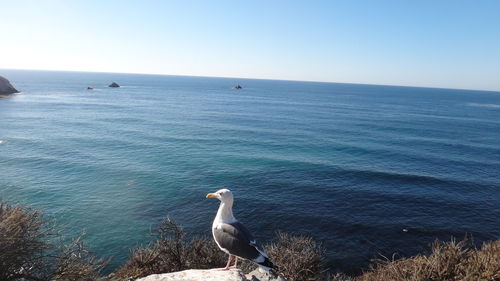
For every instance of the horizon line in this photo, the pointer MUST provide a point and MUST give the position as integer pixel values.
(255, 78)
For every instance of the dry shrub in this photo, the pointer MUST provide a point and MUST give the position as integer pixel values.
(336, 277)
(483, 264)
(31, 249)
(203, 253)
(171, 252)
(21, 243)
(448, 261)
(299, 258)
(76, 263)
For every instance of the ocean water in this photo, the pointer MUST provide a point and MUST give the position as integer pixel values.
(350, 165)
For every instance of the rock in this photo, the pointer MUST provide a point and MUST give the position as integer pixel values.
(114, 85)
(258, 275)
(90, 88)
(237, 87)
(212, 275)
(6, 88)
(197, 275)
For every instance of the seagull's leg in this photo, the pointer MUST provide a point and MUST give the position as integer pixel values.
(228, 262)
(229, 259)
(235, 264)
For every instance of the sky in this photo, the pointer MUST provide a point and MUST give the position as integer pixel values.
(436, 43)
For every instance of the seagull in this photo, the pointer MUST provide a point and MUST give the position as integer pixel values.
(233, 237)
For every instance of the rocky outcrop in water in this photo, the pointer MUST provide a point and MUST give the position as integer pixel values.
(6, 88)
(114, 85)
(213, 275)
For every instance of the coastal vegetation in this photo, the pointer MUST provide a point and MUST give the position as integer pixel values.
(31, 248)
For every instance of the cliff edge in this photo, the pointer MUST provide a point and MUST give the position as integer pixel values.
(6, 88)
(213, 275)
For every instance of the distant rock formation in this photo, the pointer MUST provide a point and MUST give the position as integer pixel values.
(237, 87)
(114, 85)
(90, 88)
(213, 275)
(6, 88)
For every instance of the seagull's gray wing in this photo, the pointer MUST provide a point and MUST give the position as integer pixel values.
(237, 240)
(249, 236)
(243, 231)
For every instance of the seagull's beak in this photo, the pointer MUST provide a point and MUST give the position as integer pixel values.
(211, 195)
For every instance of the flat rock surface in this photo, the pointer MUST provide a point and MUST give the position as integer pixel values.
(197, 275)
(258, 275)
(212, 275)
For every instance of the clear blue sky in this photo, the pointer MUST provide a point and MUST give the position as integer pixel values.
(453, 44)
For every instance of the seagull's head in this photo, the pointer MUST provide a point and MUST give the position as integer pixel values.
(224, 195)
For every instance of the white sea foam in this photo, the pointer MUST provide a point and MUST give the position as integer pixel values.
(488, 105)
(1, 141)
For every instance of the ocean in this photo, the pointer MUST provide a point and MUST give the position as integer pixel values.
(366, 170)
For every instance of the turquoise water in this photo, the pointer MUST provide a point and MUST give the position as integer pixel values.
(351, 165)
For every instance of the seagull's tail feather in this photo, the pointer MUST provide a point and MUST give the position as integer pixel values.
(267, 265)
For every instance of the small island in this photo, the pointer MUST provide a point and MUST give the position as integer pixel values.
(6, 88)
(114, 85)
